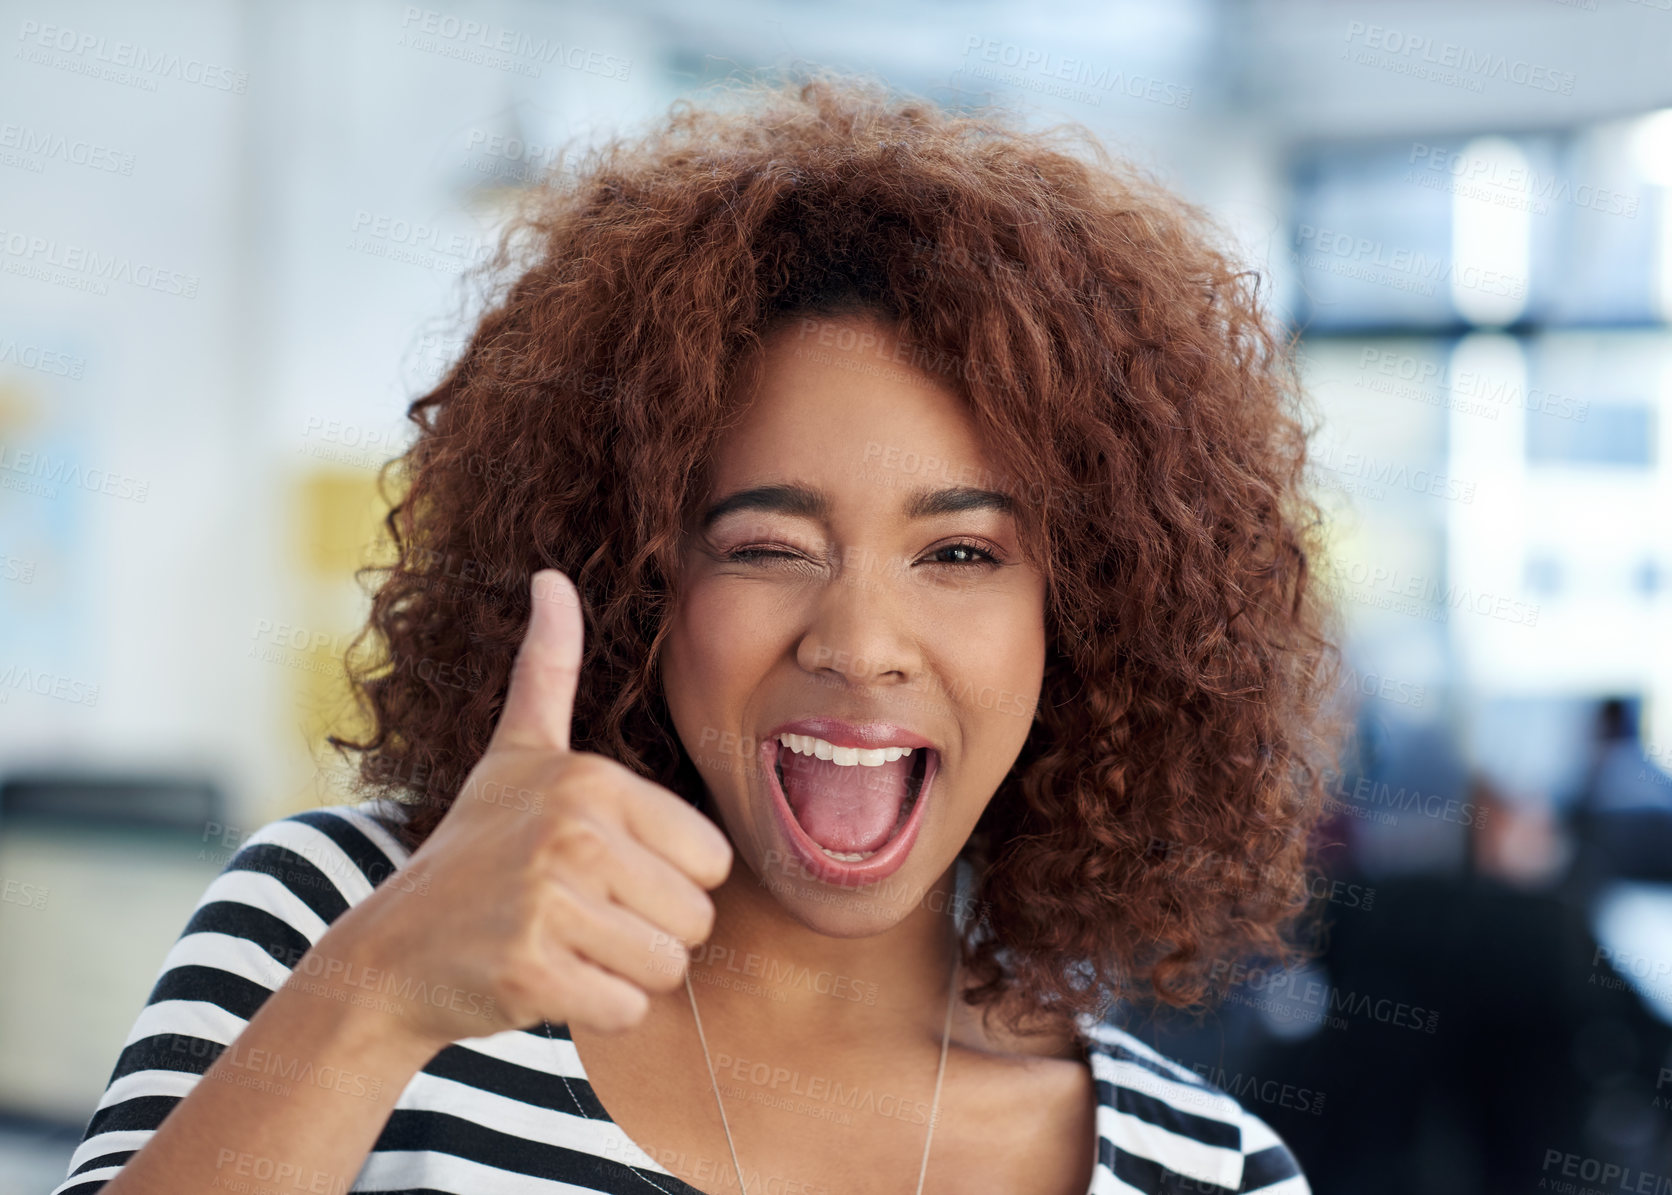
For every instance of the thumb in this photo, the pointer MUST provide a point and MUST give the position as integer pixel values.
(541, 702)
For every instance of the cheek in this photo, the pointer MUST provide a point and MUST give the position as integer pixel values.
(714, 659)
(999, 664)
(1002, 643)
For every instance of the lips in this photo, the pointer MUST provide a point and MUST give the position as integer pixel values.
(891, 855)
(852, 734)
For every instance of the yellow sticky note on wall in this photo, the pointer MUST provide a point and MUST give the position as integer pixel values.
(340, 512)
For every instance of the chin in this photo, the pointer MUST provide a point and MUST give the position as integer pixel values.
(834, 911)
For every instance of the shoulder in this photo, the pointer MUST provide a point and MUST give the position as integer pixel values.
(350, 847)
(283, 885)
(303, 871)
(1159, 1122)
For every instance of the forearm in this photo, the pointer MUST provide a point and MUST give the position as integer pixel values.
(294, 1103)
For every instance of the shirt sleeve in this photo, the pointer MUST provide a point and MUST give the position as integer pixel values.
(272, 902)
(1267, 1165)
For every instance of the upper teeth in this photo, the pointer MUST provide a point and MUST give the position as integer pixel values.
(847, 757)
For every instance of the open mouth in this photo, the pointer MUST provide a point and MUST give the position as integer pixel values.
(913, 786)
(849, 822)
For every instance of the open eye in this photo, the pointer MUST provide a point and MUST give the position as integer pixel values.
(974, 554)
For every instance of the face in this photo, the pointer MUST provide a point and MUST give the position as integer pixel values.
(854, 582)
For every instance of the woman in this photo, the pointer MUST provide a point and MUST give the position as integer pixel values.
(940, 666)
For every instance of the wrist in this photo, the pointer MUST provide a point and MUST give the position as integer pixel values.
(347, 984)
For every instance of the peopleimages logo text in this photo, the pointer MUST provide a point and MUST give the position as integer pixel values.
(31, 252)
(1464, 59)
(419, 23)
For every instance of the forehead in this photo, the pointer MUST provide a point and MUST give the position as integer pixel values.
(838, 401)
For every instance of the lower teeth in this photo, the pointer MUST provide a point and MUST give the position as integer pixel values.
(847, 856)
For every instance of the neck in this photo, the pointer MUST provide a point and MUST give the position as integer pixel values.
(760, 958)
(764, 974)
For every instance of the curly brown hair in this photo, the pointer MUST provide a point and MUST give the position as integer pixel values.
(1158, 816)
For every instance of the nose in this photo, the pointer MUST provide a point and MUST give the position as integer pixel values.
(860, 628)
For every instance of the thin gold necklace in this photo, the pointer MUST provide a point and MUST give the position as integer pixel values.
(934, 1110)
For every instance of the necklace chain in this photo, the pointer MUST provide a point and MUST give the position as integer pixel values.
(940, 1071)
(934, 1109)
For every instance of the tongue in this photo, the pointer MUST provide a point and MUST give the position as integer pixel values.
(845, 808)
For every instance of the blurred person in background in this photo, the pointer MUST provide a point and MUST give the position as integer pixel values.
(1508, 1031)
(1622, 813)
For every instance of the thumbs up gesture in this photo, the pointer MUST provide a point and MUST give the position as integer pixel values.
(571, 908)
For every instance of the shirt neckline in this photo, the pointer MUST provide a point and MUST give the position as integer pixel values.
(639, 1158)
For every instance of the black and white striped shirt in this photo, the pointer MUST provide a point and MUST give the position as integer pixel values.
(513, 1111)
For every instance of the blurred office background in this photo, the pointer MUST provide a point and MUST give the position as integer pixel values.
(232, 242)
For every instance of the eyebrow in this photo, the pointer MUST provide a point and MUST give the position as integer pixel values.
(809, 503)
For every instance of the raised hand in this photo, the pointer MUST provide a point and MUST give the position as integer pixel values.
(560, 886)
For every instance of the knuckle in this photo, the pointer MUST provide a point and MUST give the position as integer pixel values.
(578, 841)
(512, 987)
